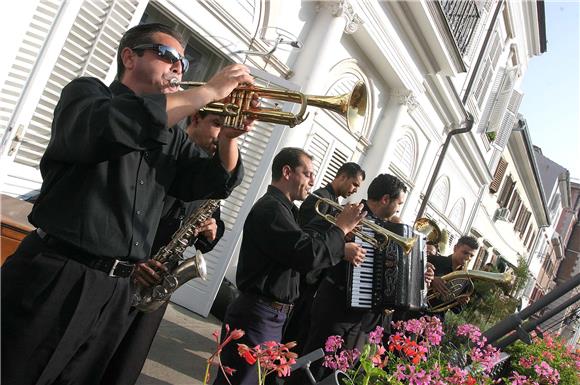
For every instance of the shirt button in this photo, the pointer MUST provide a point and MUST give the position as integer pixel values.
(141, 182)
(146, 154)
(136, 243)
(139, 212)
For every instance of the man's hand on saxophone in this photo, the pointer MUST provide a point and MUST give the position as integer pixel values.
(147, 273)
(208, 229)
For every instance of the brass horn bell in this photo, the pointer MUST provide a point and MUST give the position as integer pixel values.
(352, 105)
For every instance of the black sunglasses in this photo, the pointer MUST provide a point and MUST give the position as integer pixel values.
(165, 52)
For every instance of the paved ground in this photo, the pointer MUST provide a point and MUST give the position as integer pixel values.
(183, 344)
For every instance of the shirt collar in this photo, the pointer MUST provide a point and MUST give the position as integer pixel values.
(279, 195)
(119, 88)
(329, 188)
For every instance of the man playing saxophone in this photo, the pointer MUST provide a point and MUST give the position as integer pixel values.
(126, 365)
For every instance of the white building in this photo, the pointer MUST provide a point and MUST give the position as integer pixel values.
(428, 66)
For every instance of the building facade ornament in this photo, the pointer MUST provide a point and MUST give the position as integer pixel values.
(338, 8)
(407, 98)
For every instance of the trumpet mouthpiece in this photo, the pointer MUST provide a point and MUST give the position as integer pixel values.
(174, 82)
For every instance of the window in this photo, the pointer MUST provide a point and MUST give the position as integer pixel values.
(506, 191)
(457, 213)
(440, 195)
(405, 155)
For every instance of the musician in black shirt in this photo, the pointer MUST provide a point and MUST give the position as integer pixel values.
(463, 251)
(346, 182)
(127, 363)
(112, 158)
(273, 254)
(330, 314)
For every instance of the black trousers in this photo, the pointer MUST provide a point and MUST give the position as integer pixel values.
(298, 324)
(129, 358)
(260, 323)
(61, 321)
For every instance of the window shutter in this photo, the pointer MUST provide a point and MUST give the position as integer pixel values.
(89, 50)
(337, 159)
(501, 101)
(20, 72)
(506, 191)
(509, 119)
(405, 155)
(317, 147)
(484, 122)
(498, 176)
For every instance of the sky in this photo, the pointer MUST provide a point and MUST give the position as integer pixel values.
(551, 87)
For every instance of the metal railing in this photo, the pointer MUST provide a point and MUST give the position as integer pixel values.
(462, 17)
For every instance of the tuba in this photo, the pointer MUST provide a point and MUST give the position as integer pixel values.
(460, 285)
(352, 105)
(434, 234)
(405, 243)
(150, 298)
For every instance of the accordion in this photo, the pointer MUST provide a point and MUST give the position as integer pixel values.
(389, 279)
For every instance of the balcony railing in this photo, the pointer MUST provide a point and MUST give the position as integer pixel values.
(462, 16)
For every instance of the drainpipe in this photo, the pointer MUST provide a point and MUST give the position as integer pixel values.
(468, 122)
(466, 127)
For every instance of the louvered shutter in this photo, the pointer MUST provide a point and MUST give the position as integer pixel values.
(514, 206)
(484, 122)
(21, 70)
(509, 119)
(502, 100)
(318, 146)
(506, 191)
(87, 39)
(337, 159)
(498, 176)
(89, 50)
(257, 148)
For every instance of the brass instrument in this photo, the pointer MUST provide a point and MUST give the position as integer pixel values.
(148, 299)
(352, 105)
(405, 243)
(434, 234)
(457, 282)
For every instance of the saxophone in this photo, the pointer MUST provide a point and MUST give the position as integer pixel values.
(150, 298)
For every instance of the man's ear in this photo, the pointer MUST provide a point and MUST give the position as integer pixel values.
(286, 170)
(386, 199)
(128, 58)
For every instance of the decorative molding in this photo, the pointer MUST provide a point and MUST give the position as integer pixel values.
(338, 8)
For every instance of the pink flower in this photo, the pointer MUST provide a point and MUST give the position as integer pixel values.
(470, 331)
(333, 343)
(376, 336)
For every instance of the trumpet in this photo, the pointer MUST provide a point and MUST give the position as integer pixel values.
(405, 243)
(351, 106)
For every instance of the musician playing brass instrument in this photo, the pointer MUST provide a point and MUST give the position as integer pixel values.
(330, 313)
(463, 251)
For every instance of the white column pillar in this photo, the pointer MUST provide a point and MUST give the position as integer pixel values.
(316, 58)
(379, 154)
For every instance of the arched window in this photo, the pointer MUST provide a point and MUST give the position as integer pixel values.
(347, 73)
(405, 155)
(440, 195)
(457, 213)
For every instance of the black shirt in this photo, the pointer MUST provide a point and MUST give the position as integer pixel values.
(275, 250)
(307, 212)
(443, 264)
(109, 164)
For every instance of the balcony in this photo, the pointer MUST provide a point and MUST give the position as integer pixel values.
(462, 17)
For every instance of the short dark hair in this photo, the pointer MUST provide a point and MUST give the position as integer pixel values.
(385, 184)
(143, 34)
(351, 170)
(288, 156)
(468, 241)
